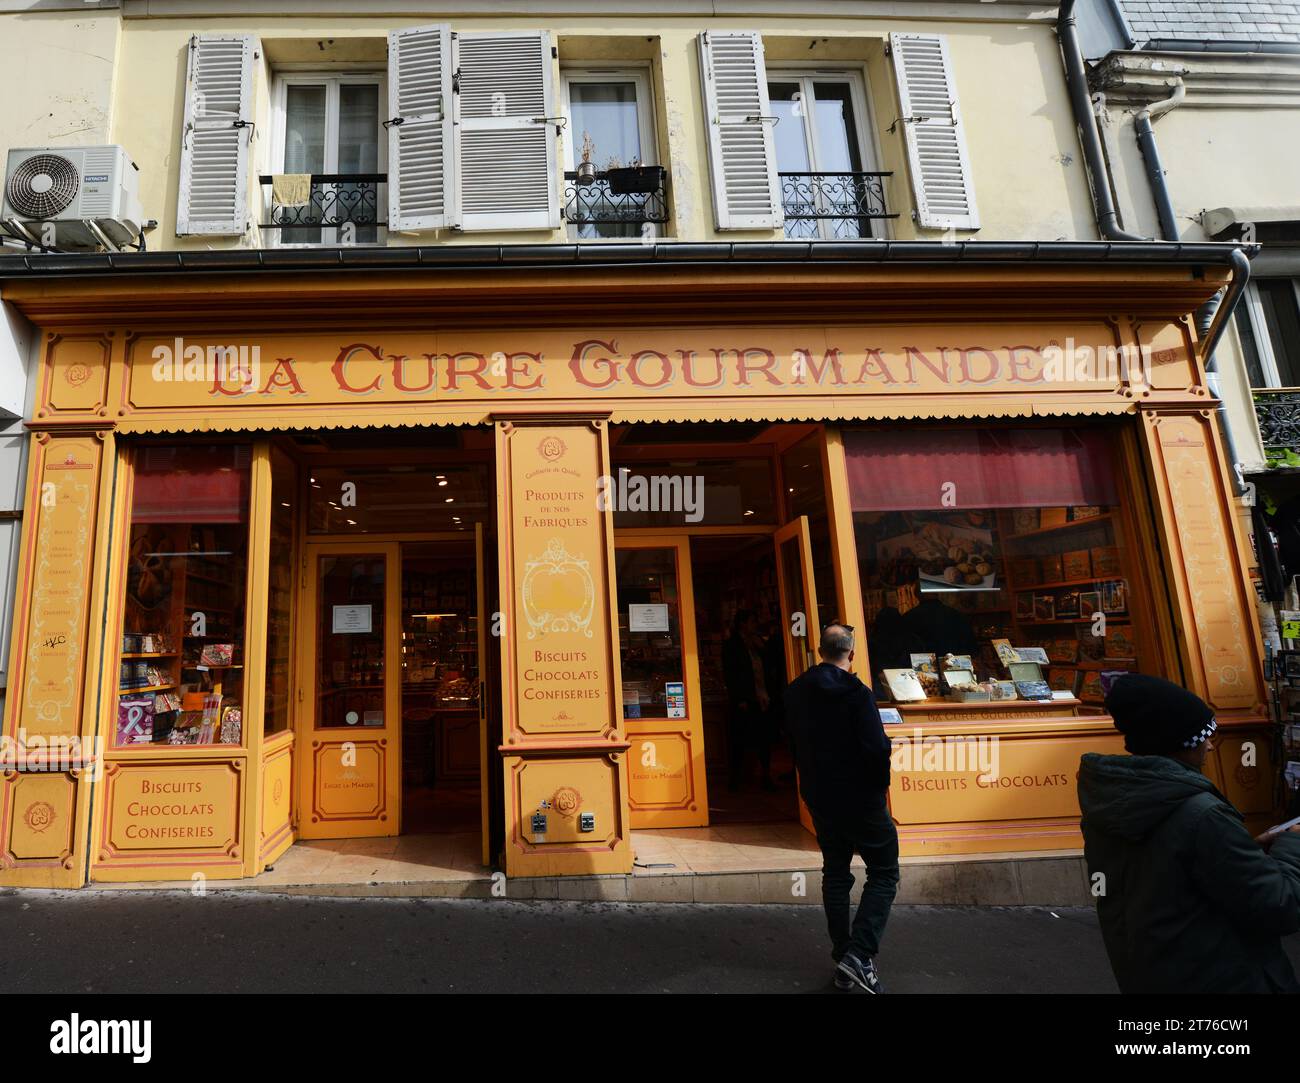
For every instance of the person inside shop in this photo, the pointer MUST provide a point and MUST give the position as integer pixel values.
(748, 703)
(774, 679)
(891, 642)
(842, 753)
(943, 629)
(1187, 900)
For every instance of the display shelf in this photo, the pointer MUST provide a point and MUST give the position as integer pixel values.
(1077, 524)
(143, 689)
(150, 654)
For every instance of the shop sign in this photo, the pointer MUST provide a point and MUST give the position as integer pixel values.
(593, 364)
(154, 807)
(559, 626)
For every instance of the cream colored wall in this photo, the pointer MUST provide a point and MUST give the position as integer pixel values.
(56, 78)
(1029, 180)
(1213, 156)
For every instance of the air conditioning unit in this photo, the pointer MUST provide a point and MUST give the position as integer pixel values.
(72, 197)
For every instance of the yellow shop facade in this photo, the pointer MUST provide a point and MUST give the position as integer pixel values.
(464, 538)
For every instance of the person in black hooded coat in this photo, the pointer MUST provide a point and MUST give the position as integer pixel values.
(1187, 900)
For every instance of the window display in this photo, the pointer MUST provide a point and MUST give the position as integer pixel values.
(181, 666)
(1009, 549)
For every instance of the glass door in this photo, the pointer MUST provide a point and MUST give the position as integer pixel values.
(797, 587)
(662, 712)
(351, 692)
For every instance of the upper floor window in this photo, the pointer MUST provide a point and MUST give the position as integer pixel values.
(613, 186)
(1268, 320)
(329, 130)
(823, 155)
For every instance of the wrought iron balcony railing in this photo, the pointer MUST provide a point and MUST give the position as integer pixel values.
(833, 206)
(336, 200)
(1278, 412)
(629, 197)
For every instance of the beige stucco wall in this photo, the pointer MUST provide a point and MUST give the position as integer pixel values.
(1029, 180)
(1214, 155)
(56, 77)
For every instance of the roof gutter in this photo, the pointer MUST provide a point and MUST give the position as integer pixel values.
(487, 258)
(1076, 80)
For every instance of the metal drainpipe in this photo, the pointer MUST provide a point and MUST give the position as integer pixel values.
(1211, 322)
(1081, 104)
(1143, 125)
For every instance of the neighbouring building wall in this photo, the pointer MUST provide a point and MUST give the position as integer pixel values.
(1233, 140)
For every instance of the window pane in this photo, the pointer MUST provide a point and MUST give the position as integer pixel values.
(350, 662)
(837, 133)
(606, 130)
(790, 137)
(358, 152)
(1055, 574)
(649, 630)
(703, 492)
(358, 128)
(378, 500)
(182, 665)
(1250, 348)
(1277, 300)
(304, 129)
(605, 123)
(279, 604)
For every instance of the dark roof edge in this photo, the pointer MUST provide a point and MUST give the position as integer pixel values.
(515, 257)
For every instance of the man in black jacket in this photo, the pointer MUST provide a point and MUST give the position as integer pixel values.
(843, 758)
(1188, 902)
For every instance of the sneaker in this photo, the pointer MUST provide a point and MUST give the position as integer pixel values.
(843, 982)
(859, 973)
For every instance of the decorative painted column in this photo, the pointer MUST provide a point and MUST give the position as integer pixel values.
(1215, 619)
(563, 745)
(51, 754)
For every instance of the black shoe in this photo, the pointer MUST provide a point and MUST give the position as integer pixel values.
(859, 973)
(843, 982)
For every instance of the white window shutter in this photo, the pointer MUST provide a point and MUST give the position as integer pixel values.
(505, 134)
(932, 130)
(213, 196)
(421, 158)
(742, 158)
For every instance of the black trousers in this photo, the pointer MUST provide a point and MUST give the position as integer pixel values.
(872, 834)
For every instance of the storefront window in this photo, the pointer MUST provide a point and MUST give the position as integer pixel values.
(279, 604)
(396, 499)
(182, 644)
(1007, 551)
(805, 494)
(650, 633)
(695, 492)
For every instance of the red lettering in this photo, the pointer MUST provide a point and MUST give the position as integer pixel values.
(475, 372)
(688, 369)
(339, 368)
(665, 368)
(831, 360)
(993, 366)
(873, 365)
(399, 374)
(1016, 363)
(514, 370)
(940, 370)
(765, 364)
(580, 351)
(283, 376)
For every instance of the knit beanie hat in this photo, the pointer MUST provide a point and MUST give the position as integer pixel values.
(1157, 717)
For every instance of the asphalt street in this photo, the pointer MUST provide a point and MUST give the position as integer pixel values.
(161, 942)
(128, 942)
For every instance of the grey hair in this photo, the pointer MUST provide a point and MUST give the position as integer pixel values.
(836, 642)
